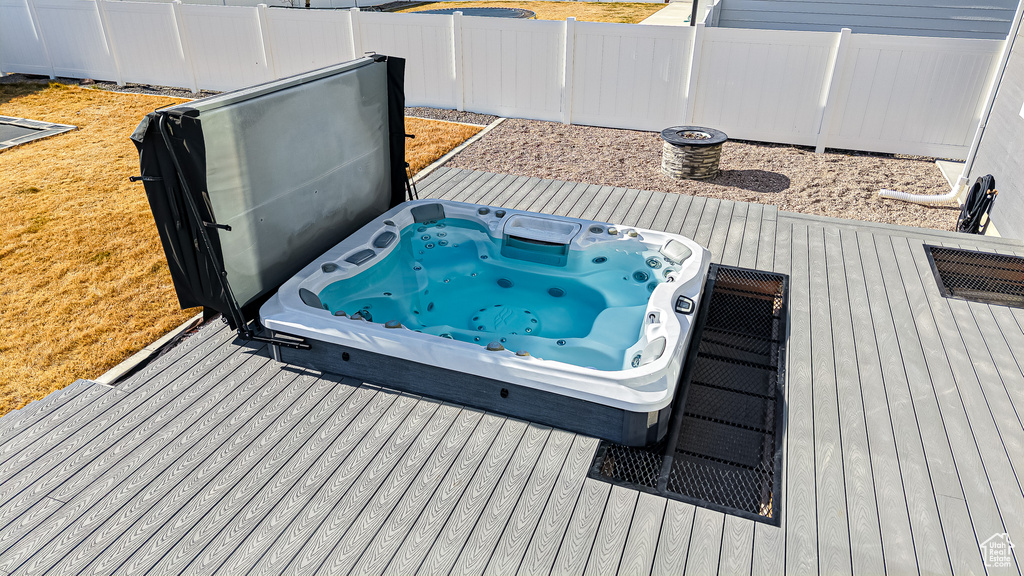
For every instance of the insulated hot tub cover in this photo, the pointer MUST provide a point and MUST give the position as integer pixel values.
(249, 186)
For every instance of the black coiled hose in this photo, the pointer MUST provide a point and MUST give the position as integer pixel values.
(978, 204)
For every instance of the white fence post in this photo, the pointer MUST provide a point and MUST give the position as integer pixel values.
(832, 86)
(268, 49)
(691, 81)
(568, 64)
(42, 39)
(357, 39)
(460, 78)
(108, 39)
(186, 49)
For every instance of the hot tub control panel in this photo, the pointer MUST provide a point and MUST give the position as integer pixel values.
(684, 305)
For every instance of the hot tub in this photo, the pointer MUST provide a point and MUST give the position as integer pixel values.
(282, 206)
(574, 323)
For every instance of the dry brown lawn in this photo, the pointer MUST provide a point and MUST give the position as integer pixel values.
(617, 12)
(83, 279)
(433, 140)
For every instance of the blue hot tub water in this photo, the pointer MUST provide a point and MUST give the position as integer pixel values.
(449, 278)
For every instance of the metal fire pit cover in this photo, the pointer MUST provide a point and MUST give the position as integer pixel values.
(693, 136)
(492, 12)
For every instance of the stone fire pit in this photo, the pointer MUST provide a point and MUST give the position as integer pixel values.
(691, 152)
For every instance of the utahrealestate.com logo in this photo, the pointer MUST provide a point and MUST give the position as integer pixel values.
(997, 551)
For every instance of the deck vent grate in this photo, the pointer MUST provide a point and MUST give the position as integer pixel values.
(723, 450)
(978, 276)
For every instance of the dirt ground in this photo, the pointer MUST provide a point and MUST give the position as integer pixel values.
(837, 183)
(619, 12)
(83, 278)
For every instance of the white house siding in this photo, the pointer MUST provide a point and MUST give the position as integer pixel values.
(944, 18)
(1001, 152)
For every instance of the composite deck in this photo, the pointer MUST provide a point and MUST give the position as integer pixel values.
(903, 439)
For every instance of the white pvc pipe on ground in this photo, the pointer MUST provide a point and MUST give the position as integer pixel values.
(923, 198)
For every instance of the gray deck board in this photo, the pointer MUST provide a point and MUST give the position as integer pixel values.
(958, 373)
(479, 517)
(646, 217)
(734, 237)
(610, 540)
(71, 455)
(509, 196)
(526, 483)
(90, 506)
(449, 470)
(177, 530)
(426, 452)
(751, 224)
(583, 525)
(769, 553)
(861, 507)
(523, 521)
(800, 498)
(590, 211)
(720, 230)
(829, 450)
(903, 443)
(694, 214)
(450, 514)
(206, 445)
(410, 446)
(921, 422)
(17, 421)
(737, 545)
(269, 549)
(684, 204)
(642, 541)
(706, 540)
(568, 202)
(668, 207)
(674, 538)
(705, 225)
(542, 549)
(888, 489)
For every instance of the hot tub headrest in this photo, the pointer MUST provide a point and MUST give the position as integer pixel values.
(427, 212)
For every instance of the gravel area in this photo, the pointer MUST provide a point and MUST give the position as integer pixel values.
(154, 90)
(451, 115)
(110, 86)
(840, 184)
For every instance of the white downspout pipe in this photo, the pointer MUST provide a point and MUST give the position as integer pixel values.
(972, 153)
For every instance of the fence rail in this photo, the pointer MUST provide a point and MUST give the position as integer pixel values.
(892, 94)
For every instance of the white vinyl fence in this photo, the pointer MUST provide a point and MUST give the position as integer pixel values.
(894, 94)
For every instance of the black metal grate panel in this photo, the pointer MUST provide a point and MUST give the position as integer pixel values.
(724, 448)
(978, 276)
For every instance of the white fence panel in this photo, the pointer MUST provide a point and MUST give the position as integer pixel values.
(226, 46)
(145, 39)
(895, 94)
(764, 84)
(425, 41)
(21, 48)
(74, 39)
(627, 76)
(305, 40)
(912, 95)
(513, 67)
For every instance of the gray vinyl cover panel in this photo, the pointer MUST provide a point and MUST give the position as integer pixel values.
(294, 169)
